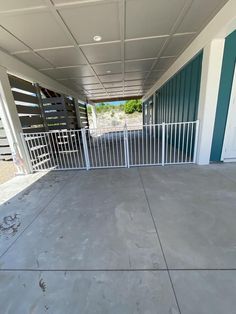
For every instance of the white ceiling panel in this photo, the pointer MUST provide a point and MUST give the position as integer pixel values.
(33, 60)
(140, 65)
(133, 83)
(141, 31)
(100, 95)
(164, 63)
(200, 14)
(7, 5)
(117, 90)
(92, 86)
(133, 88)
(96, 91)
(135, 75)
(85, 80)
(142, 49)
(63, 2)
(36, 29)
(80, 71)
(113, 84)
(113, 68)
(89, 20)
(70, 72)
(9, 42)
(111, 78)
(151, 17)
(116, 93)
(133, 92)
(177, 44)
(98, 53)
(54, 73)
(153, 78)
(63, 56)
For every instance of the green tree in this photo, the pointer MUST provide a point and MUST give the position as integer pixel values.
(133, 105)
(139, 107)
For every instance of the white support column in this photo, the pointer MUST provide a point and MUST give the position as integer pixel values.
(11, 123)
(94, 115)
(210, 80)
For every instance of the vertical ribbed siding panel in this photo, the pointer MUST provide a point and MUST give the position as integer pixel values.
(227, 73)
(178, 98)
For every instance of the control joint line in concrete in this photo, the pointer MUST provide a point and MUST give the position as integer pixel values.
(158, 236)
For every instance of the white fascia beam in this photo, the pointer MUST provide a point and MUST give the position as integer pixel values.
(26, 72)
(219, 27)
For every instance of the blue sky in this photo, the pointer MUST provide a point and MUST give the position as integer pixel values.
(114, 103)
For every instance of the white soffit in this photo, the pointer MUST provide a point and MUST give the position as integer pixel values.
(139, 39)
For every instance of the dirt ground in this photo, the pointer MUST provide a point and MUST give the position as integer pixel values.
(116, 118)
(7, 171)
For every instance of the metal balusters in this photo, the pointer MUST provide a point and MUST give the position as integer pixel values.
(166, 143)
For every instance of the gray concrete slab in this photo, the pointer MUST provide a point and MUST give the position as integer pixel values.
(17, 184)
(86, 292)
(100, 220)
(205, 292)
(84, 236)
(19, 211)
(194, 208)
(225, 169)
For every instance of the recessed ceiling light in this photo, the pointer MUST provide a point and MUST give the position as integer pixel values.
(97, 38)
(108, 71)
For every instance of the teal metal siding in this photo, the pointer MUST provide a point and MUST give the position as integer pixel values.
(148, 111)
(177, 99)
(226, 80)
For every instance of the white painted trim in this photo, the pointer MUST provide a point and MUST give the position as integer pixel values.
(26, 72)
(229, 116)
(228, 160)
(209, 87)
(219, 27)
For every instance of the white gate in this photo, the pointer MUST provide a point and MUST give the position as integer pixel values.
(154, 144)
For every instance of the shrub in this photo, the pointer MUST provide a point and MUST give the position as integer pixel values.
(133, 105)
(139, 107)
(130, 106)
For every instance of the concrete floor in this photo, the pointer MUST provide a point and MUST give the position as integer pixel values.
(141, 240)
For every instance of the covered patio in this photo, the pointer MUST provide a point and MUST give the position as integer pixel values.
(140, 240)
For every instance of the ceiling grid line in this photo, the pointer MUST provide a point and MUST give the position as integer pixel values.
(138, 40)
(68, 33)
(178, 21)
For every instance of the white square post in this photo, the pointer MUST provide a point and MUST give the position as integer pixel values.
(209, 88)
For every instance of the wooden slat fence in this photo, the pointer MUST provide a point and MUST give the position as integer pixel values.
(27, 104)
(83, 115)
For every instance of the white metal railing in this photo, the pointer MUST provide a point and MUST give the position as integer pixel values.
(106, 147)
(56, 150)
(153, 144)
